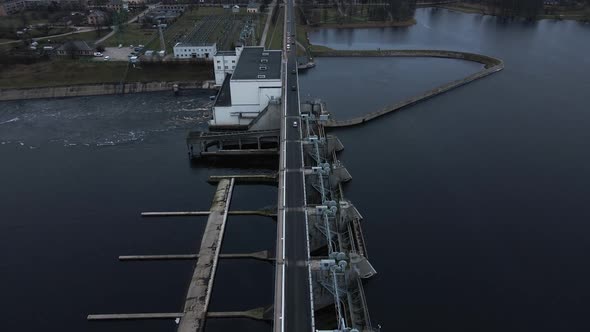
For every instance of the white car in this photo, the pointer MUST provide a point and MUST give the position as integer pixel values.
(294, 124)
(107, 58)
(97, 54)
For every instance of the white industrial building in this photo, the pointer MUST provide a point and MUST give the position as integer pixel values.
(188, 50)
(224, 62)
(256, 80)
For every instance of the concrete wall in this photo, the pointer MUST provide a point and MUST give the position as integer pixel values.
(97, 89)
(220, 62)
(254, 92)
(201, 52)
(234, 115)
(269, 119)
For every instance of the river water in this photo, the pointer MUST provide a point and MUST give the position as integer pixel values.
(475, 202)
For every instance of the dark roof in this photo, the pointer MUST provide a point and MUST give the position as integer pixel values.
(79, 45)
(251, 63)
(225, 53)
(224, 95)
(97, 13)
(191, 44)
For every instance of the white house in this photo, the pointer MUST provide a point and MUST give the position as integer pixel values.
(256, 80)
(189, 50)
(235, 9)
(253, 8)
(224, 62)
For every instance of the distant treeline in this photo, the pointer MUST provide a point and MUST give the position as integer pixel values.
(529, 9)
(395, 10)
(374, 10)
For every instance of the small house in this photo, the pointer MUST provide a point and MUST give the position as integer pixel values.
(235, 9)
(75, 48)
(253, 8)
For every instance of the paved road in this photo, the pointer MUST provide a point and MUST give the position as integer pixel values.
(298, 313)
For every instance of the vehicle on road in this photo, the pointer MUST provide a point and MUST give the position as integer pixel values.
(294, 87)
(107, 58)
(294, 71)
(295, 124)
(97, 54)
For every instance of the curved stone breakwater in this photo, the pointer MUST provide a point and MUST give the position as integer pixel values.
(491, 66)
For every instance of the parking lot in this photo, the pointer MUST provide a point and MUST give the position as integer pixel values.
(116, 54)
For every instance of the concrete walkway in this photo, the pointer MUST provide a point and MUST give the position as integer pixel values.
(267, 25)
(199, 292)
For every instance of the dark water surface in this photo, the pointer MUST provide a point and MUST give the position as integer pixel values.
(475, 202)
(75, 175)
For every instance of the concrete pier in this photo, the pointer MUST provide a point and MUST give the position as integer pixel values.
(264, 213)
(256, 313)
(263, 255)
(252, 178)
(175, 214)
(201, 285)
(154, 315)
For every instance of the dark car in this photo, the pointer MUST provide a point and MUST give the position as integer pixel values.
(294, 71)
(294, 87)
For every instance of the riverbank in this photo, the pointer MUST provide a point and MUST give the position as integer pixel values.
(368, 24)
(75, 72)
(99, 89)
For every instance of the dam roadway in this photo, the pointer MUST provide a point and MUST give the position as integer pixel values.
(293, 300)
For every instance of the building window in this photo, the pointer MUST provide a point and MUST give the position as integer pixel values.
(225, 67)
(218, 67)
(233, 61)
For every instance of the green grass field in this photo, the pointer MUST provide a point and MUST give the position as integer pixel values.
(260, 22)
(90, 37)
(274, 37)
(86, 71)
(62, 72)
(133, 34)
(171, 72)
